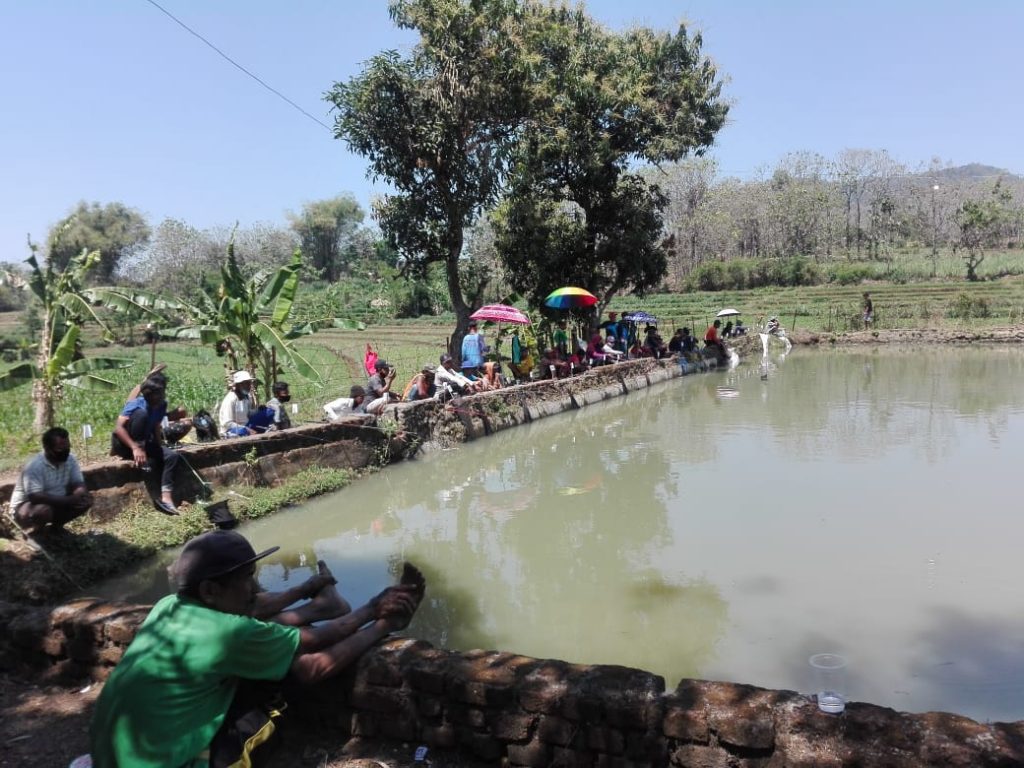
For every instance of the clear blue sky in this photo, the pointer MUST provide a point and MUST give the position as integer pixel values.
(110, 100)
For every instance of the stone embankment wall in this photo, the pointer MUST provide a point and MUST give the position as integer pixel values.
(360, 441)
(518, 711)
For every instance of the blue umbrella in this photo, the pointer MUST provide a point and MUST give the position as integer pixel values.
(641, 317)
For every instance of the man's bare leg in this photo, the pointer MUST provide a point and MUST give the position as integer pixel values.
(326, 604)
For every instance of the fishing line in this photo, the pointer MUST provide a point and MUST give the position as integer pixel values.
(40, 548)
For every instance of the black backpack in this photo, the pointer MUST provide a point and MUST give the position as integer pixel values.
(206, 429)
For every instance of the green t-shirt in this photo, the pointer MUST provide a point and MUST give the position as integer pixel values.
(168, 696)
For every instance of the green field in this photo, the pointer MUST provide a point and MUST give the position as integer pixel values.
(197, 375)
(836, 308)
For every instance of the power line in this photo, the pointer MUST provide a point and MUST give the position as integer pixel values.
(234, 63)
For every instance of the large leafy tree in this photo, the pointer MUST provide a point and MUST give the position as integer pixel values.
(982, 222)
(327, 229)
(438, 125)
(608, 102)
(115, 230)
(66, 307)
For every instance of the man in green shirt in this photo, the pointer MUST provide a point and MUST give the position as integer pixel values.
(169, 695)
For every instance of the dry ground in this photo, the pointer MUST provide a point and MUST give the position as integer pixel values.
(48, 726)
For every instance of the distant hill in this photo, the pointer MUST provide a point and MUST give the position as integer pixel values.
(973, 172)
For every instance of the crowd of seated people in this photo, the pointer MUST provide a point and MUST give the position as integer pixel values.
(568, 355)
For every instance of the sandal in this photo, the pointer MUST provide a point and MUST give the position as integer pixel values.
(163, 506)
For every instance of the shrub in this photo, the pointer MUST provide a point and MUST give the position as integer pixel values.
(848, 274)
(799, 270)
(739, 274)
(709, 276)
(965, 307)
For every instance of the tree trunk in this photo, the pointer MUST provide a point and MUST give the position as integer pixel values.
(459, 306)
(42, 395)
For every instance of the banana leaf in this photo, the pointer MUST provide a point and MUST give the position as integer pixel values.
(285, 352)
(91, 381)
(87, 365)
(282, 290)
(132, 301)
(64, 354)
(18, 376)
(207, 334)
(312, 326)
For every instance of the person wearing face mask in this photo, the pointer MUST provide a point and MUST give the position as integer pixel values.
(277, 405)
(236, 407)
(50, 489)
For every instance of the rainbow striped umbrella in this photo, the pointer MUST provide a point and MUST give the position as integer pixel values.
(570, 298)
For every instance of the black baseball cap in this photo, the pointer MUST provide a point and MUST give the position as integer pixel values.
(380, 365)
(212, 555)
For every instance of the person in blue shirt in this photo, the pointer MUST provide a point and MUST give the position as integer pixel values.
(472, 353)
(138, 437)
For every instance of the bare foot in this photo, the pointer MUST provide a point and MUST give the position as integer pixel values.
(327, 602)
(413, 577)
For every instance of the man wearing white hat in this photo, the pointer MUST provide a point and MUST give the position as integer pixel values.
(237, 406)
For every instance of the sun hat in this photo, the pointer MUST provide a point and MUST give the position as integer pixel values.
(240, 377)
(213, 554)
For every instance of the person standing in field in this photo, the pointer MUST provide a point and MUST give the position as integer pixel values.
(472, 353)
(869, 310)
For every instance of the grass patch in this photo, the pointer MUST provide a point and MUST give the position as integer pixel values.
(95, 551)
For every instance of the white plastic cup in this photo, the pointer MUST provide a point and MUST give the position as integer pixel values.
(830, 681)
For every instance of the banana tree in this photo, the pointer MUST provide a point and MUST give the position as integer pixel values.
(249, 320)
(59, 363)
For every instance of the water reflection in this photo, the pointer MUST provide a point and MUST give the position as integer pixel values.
(723, 526)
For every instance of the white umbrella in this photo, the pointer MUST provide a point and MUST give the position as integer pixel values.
(728, 313)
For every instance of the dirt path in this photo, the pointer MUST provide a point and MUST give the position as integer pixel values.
(49, 726)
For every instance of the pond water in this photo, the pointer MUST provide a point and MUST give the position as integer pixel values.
(720, 526)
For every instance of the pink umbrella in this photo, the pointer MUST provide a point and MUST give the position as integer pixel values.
(501, 313)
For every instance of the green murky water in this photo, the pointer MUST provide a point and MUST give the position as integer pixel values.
(721, 526)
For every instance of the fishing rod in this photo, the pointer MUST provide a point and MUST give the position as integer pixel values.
(40, 548)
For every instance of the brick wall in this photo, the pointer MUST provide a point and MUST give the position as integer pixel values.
(519, 711)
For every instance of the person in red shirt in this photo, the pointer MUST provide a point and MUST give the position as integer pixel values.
(712, 340)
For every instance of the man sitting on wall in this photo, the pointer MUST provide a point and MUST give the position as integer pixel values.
(169, 700)
(446, 377)
(237, 406)
(138, 437)
(50, 489)
(347, 406)
(278, 404)
(713, 341)
(378, 388)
